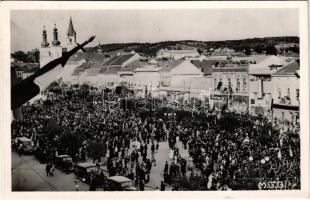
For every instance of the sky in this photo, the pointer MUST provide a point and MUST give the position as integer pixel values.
(120, 26)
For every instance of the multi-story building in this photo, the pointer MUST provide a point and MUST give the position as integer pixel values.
(286, 94)
(147, 80)
(177, 54)
(260, 87)
(230, 87)
(175, 72)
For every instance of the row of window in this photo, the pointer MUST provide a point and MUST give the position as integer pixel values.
(283, 99)
(238, 84)
(288, 94)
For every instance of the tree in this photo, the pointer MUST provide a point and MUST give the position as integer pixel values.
(28, 57)
(71, 142)
(259, 48)
(96, 150)
(20, 56)
(247, 51)
(271, 50)
(200, 50)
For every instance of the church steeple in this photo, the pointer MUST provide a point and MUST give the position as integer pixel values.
(71, 32)
(44, 35)
(55, 42)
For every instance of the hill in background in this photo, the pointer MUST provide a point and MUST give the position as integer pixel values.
(257, 44)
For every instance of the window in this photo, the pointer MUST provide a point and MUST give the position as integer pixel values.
(252, 101)
(238, 85)
(229, 82)
(288, 93)
(279, 93)
(297, 94)
(244, 85)
(215, 83)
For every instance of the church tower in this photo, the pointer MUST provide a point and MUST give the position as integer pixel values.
(49, 53)
(71, 43)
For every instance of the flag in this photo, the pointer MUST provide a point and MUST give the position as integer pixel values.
(279, 154)
(31, 86)
(291, 152)
(209, 184)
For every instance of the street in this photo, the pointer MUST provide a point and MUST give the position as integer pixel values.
(28, 174)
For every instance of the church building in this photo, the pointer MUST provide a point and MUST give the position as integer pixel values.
(50, 52)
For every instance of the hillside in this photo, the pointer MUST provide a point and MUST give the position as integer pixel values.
(258, 44)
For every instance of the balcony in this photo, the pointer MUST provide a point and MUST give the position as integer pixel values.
(286, 103)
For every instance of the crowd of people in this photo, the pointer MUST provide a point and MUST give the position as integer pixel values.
(230, 152)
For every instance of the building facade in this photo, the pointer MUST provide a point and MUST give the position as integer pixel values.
(286, 95)
(230, 87)
(50, 52)
(176, 73)
(177, 54)
(260, 84)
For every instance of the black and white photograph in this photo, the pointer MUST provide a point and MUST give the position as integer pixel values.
(156, 99)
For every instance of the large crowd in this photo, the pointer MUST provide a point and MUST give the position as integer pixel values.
(227, 152)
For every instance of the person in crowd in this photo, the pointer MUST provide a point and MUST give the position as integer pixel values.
(162, 186)
(231, 146)
(48, 168)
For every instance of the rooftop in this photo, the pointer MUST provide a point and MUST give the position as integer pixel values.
(289, 69)
(88, 56)
(171, 65)
(205, 66)
(118, 60)
(263, 67)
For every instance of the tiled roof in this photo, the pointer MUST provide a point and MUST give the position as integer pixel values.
(134, 65)
(18, 65)
(77, 70)
(122, 59)
(205, 66)
(32, 69)
(263, 67)
(289, 69)
(89, 56)
(118, 60)
(92, 71)
(173, 64)
(86, 65)
(110, 69)
(111, 60)
(26, 67)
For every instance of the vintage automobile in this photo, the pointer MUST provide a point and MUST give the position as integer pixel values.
(120, 183)
(27, 145)
(84, 170)
(64, 162)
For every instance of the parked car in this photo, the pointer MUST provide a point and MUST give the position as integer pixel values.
(120, 183)
(26, 144)
(65, 163)
(84, 170)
